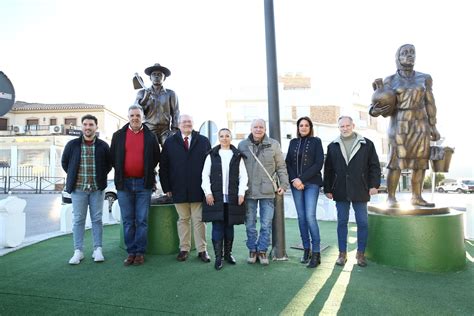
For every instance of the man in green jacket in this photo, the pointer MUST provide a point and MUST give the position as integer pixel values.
(264, 163)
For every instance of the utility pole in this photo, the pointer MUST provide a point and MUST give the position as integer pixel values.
(278, 232)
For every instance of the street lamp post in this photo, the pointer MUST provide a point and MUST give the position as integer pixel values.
(278, 232)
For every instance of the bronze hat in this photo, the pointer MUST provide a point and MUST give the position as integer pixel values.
(157, 66)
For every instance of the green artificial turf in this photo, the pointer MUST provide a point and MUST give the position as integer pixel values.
(38, 280)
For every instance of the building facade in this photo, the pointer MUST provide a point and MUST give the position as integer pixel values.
(297, 99)
(33, 136)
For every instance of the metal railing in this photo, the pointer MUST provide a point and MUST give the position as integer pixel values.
(23, 183)
(3, 183)
(53, 183)
(30, 179)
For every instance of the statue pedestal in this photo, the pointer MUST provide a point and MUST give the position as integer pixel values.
(425, 243)
(162, 230)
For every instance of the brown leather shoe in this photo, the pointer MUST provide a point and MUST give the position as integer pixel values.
(182, 255)
(139, 260)
(360, 256)
(342, 259)
(129, 260)
(204, 256)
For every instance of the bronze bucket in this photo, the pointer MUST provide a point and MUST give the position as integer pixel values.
(441, 158)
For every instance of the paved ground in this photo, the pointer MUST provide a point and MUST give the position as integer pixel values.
(42, 213)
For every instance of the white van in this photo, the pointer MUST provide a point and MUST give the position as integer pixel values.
(460, 186)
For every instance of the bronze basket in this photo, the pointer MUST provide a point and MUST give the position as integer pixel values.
(441, 158)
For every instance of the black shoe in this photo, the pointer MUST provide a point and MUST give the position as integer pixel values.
(204, 256)
(228, 251)
(218, 252)
(182, 256)
(306, 256)
(315, 260)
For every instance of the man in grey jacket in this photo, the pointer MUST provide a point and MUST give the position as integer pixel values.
(261, 190)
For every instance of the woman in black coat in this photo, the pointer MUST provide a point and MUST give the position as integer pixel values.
(224, 182)
(304, 162)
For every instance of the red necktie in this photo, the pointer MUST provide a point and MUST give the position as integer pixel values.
(186, 143)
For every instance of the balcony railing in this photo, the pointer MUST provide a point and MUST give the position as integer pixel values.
(35, 130)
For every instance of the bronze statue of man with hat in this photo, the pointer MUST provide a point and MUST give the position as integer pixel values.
(160, 105)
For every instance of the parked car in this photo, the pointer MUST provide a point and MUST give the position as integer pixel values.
(460, 186)
(110, 195)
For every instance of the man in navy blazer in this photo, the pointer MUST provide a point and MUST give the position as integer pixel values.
(180, 172)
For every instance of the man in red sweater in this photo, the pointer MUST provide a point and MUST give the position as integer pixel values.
(135, 154)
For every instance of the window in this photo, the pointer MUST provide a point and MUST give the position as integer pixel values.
(32, 124)
(53, 121)
(70, 121)
(3, 124)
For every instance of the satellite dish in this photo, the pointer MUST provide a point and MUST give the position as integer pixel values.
(7, 94)
(209, 129)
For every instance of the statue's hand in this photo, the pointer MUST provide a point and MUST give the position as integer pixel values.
(146, 94)
(145, 97)
(379, 109)
(434, 134)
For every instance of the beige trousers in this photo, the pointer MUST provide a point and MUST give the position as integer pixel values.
(186, 212)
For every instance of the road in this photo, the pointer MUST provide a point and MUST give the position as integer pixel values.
(42, 212)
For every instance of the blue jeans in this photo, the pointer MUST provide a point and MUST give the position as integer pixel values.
(80, 201)
(267, 208)
(221, 230)
(360, 211)
(305, 203)
(134, 203)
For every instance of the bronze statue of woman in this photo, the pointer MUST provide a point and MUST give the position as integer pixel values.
(412, 124)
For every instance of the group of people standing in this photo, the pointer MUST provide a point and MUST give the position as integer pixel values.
(224, 185)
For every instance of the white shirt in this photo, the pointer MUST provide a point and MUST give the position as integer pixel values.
(226, 156)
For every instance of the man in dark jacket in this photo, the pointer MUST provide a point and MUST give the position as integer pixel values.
(135, 153)
(351, 175)
(86, 162)
(181, 167)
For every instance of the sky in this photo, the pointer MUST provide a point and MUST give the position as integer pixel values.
(88, 51)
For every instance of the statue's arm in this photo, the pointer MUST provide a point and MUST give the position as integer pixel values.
(142, 98)
(174, 111)
(430, 101)
(431, 108)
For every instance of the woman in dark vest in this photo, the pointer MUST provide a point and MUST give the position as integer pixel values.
(304, 162)
(224, 182)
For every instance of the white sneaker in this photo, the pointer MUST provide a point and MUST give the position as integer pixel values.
(97, 255)
(262, 257)
(77, 257)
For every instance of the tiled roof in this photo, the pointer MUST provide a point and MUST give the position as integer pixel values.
(25, 106)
